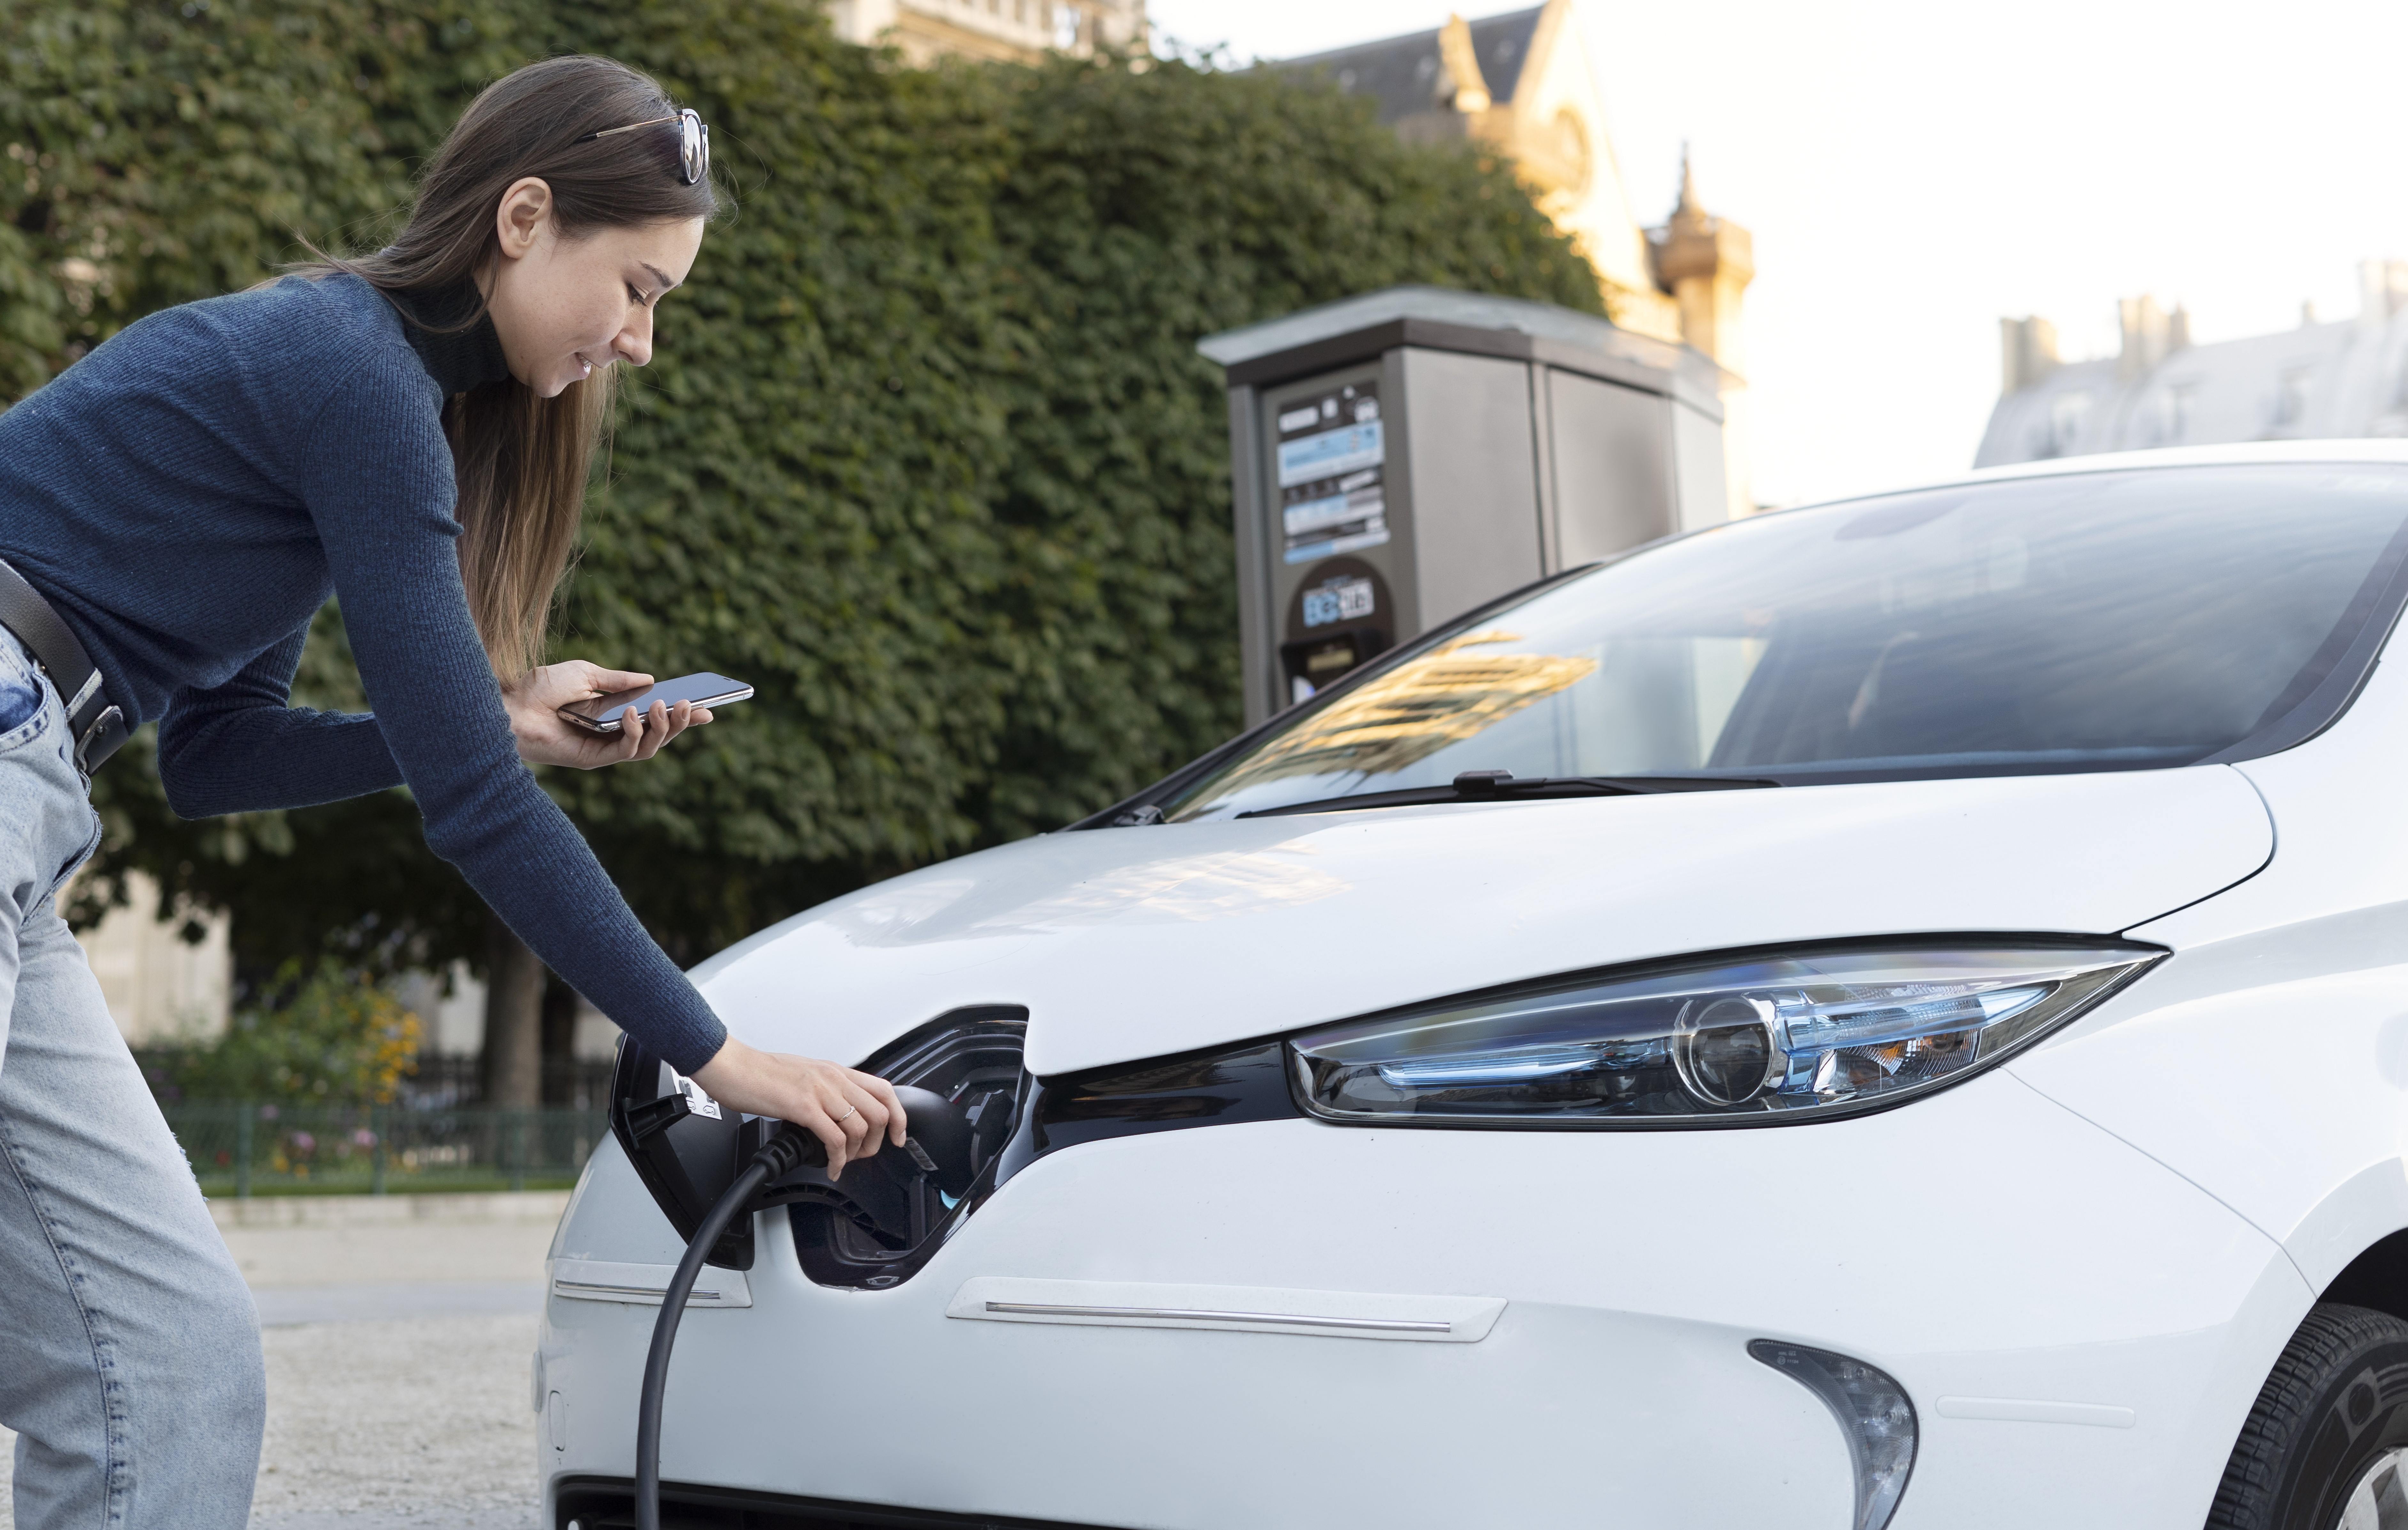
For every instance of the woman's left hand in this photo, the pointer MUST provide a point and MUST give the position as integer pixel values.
(535, 703)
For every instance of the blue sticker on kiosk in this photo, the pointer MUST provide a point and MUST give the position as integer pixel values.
(1332, 458)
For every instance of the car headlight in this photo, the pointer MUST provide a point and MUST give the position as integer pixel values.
(1747, 1040)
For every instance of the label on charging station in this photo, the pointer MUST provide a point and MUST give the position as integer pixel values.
(1333, 454)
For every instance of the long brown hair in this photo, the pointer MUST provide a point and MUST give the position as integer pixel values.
(521, 462)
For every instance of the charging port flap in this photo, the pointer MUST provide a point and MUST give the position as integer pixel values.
(686, 1149)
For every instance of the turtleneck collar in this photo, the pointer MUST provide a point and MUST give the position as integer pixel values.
(459, 360)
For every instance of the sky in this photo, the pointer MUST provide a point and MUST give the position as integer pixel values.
(1913, 172)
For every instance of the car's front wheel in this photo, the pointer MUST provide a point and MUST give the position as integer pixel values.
(2326, 1448)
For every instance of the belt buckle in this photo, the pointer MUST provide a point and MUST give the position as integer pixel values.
(99, 740)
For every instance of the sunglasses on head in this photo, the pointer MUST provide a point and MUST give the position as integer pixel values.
(694, 148)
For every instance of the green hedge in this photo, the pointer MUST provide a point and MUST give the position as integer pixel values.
(926, 454)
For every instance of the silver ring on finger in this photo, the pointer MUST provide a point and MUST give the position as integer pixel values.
(847, 1110)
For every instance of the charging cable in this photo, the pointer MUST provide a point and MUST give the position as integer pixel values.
(780, 1156)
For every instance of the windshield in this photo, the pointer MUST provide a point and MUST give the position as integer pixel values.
(2100, 621)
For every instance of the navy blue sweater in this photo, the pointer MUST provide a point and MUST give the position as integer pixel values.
(191, 492)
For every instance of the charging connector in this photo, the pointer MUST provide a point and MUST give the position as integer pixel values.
(940, 1147)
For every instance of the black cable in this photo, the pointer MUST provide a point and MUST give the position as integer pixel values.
(781, 1154)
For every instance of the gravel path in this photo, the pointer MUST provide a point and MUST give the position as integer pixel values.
(424, 1414)
(384, 1425)
(409, 1411)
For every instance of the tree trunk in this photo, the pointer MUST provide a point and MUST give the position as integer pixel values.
(559, 1044)
(513, 1060)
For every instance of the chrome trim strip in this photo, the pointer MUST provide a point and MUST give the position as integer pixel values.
(620, 1280)
(656, 1292)
(1180, 1314)
(2037, 1410)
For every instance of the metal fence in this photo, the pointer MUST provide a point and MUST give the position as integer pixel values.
(245, 1149)
(433, 1082)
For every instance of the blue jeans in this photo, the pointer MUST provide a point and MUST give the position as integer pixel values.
(129, 1346)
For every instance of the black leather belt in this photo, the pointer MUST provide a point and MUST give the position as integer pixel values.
(96, 727)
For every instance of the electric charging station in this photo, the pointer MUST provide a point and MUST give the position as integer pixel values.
(1402, 457)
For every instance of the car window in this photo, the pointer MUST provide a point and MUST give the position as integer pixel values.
(2103, 620)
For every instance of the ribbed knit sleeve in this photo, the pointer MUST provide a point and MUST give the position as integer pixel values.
(240, 748)
(376, 474)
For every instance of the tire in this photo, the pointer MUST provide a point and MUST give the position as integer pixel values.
(2326, 1448)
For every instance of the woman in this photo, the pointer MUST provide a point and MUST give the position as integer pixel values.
(412, 434)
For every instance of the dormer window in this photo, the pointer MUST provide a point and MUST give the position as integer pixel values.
(2181, 404)
(2292, 398)
(2067, 414)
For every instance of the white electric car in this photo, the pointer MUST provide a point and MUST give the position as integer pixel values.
(1891, 1014)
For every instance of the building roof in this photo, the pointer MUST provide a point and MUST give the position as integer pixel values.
(1406, 75)
(2239, 453)
(2318, 382)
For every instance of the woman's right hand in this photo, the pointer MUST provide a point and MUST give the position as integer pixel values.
(852, 1113)
(533, 701)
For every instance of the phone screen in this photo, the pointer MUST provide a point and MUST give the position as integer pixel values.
(705, 689)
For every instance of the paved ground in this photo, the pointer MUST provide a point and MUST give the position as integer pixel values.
(398, 1340)
(408, 1421)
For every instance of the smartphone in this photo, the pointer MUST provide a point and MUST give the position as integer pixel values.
(602, 714)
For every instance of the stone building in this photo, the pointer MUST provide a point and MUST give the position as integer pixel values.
(161, 987)
(1019, 30)
(1521, 84)
(2344, 377)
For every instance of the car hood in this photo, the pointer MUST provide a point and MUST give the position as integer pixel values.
(1140, 942)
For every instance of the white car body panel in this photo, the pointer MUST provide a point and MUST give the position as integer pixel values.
(2275, 1046)
(2081, 1265)
(1631, 1314)
(1132, 943)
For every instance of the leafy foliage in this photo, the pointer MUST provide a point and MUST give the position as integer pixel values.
(928, 456)
(334, 1038)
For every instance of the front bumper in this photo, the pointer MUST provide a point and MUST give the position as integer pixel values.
(1985, 1247)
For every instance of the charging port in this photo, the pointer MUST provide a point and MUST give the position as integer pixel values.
(878, 1233)
(962, 1086)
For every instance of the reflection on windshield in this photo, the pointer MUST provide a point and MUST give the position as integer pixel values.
(2100, 621)
(1389, 724)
